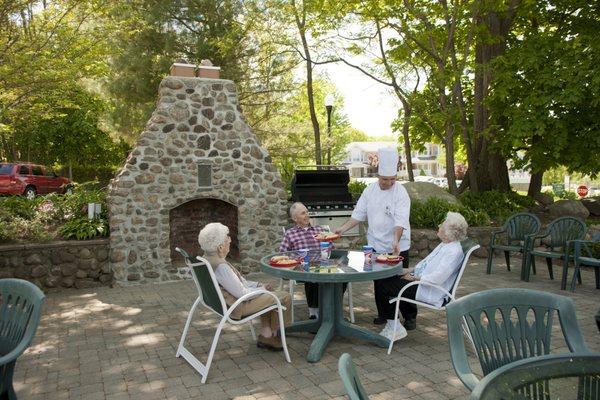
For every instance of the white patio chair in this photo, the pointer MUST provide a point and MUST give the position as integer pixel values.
(468, 246)
(292, 289)
(211, 297)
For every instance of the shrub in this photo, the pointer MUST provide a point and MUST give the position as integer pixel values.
(498, 205)
(432, 212)
(356, 188)
(82, 228)
(565, 195)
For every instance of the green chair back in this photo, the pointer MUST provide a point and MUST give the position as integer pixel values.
(506, 325)
(205, 282)
(531, 379)
(520, 225)
(20, 310)
(563, 229)
(352, 384)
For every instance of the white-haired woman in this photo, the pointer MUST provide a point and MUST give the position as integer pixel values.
(440, 267)
(215, 241)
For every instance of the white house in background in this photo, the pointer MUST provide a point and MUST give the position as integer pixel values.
(361, 159)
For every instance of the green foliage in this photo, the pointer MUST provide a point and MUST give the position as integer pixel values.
(432, 212)
(356, 188)
(498, 205)
(595, 248)
(82, 228)
(52, 216)
(565, 195)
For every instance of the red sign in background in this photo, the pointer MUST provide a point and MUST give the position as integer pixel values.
(582, 190)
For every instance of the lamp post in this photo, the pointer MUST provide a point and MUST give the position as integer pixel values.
(329, 107)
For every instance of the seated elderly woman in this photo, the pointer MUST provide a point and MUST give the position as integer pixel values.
(440, 267)
(215, 241)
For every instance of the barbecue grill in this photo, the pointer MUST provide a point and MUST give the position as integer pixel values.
(324, 192)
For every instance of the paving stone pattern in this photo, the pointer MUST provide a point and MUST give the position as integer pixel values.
(120, 344)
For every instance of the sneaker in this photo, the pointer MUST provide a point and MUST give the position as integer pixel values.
(272, 343)
(389, 333)
(410, 324)
(379, 320)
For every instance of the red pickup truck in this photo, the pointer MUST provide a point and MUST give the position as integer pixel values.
(29, 179)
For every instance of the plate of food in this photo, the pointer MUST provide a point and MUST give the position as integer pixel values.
(327, 236)
(388, 259)
(284, 262)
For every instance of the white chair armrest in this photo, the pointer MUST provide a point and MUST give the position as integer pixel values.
(250, 295)
(425, 283)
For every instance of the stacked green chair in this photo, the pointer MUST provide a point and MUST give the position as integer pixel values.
(532, 378)
(557, 235)
(583, 255)
(507, 325)
(515, 230)
(354, 388)
(20, 304)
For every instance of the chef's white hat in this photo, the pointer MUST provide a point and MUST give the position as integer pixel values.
(388, 161)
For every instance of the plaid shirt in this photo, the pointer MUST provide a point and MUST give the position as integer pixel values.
(300, 238)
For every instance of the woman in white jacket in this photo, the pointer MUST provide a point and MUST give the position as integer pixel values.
(440, 267)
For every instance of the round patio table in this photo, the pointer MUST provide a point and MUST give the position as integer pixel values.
(343, 266)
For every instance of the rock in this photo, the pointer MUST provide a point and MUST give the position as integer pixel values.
(69, 269)
(23, 272)
(151, 274)
(117, 255)
(105, 278)
(67, 282)
(573, 208)
(33, 259)
(593, 205)
(81, 274)
(133, 277)
(85, 283)
(39, 271)
(422, 191)
(544, 199)
(102, 255)
(51, 281)
(85, 253)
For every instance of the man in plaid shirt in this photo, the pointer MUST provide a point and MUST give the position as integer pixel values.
(302, 236)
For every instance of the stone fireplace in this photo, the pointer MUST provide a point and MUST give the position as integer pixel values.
(197, 161)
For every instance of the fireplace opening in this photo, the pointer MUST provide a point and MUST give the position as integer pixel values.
(186, 220)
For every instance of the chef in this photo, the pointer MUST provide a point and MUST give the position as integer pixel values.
(386, 206)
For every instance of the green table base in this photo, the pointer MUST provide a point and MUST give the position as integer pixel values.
(331, 323)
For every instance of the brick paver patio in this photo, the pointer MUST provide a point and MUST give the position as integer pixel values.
(120, 344)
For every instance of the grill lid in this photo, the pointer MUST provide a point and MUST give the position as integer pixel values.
(321, 186)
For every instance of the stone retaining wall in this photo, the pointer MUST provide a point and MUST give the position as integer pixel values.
(78, 264)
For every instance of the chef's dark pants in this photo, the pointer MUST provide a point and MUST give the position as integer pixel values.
(388, 288)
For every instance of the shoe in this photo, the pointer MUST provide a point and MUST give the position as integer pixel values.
(312, 317)
(410, 324)
(379, 320)
(272, 343)
(389, 333)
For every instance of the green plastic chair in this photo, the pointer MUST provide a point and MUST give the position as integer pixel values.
(515, 230)
(354, 388)
(557, 235)
(531, 378)
(20, 304)
(506, 325)
(582, 255)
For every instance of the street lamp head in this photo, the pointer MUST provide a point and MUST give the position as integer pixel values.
(329, 100)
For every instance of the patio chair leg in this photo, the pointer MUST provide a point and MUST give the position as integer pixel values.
(489, 260)
(252, 330)
(280, 287)
(282, 333)
(187, 326)
(549, 263)
(597, 272)
(395, 325)
(579, 276)
(350, 302)
(533, 265)
(291, 285)
(213, 347)
(507, 257)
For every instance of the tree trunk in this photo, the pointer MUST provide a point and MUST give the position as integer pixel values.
(406, 137)
(490, 170)
(535, 184)
(301, 24)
